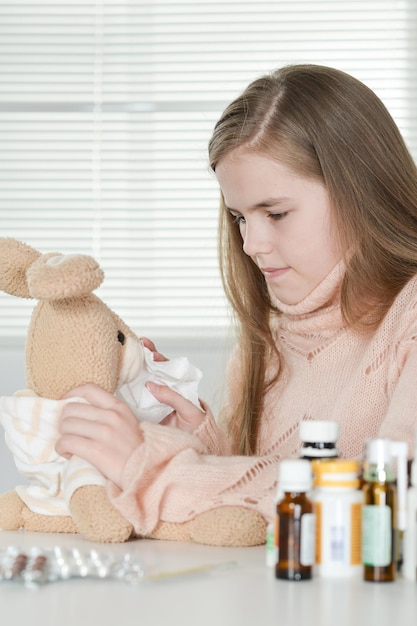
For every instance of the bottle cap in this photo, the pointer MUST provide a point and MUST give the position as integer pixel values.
(295, 475)
(315, 431)
(378, 452)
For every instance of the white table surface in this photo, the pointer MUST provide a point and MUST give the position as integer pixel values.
(245, 593)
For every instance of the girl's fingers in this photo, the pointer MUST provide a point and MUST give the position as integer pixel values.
(100, 405)
(94, 394)
(187, 415)
(102, 430)
(148, 343)
(151, 346)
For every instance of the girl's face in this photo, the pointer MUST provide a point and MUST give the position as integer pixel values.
(285, 222)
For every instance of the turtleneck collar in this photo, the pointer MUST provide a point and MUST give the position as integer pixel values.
(319, 310)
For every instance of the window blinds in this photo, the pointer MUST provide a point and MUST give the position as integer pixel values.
(106, 108)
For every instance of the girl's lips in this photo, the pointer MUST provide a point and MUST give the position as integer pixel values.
(274, 272)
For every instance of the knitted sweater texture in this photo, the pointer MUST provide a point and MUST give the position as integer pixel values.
(368, 383)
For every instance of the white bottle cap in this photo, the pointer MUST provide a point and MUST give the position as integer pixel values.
(316, 431)
(378, 452)
(295, 475)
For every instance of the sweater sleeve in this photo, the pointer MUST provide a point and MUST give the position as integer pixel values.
(172, 477)
(212, 436)
(400, 422)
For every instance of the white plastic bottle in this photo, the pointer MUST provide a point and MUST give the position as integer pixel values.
(409, 568)
(338, 504)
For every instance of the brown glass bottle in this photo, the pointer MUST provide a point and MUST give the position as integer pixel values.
(295, 522)
(290, 511)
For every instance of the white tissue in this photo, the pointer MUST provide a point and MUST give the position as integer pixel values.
(178, 374)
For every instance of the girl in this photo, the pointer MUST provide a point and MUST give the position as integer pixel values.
(318, 254)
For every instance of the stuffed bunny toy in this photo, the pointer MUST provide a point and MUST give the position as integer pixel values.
(75, 338)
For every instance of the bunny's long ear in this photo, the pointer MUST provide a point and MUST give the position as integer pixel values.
(57, 277)
(15, 258)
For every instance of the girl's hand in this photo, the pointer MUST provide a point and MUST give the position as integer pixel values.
(104, 432)
(185, 415)
(151, 346)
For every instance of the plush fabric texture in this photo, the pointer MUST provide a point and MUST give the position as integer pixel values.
(366, 383)
(74, 338)
(52, 479)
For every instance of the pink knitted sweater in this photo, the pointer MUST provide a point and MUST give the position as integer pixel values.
(367, 383)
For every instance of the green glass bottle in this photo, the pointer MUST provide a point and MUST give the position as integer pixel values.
(383, 513)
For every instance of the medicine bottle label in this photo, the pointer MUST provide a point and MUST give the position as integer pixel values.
(272, 552)
(376, 535)
(338, 536)
(308, 534)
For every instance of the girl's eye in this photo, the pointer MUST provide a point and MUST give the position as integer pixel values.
(278, 216)
(239, 219)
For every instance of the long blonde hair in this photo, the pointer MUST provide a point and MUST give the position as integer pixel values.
(328, 126)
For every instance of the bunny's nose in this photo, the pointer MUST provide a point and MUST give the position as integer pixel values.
(132, 360)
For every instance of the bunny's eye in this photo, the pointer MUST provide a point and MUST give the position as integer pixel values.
(121, 337)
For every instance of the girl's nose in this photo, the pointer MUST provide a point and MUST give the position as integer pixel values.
(255, 240)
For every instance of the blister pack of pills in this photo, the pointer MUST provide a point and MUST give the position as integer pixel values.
(38, 566)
